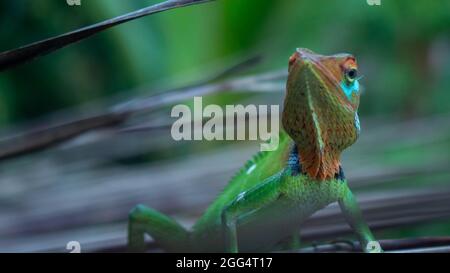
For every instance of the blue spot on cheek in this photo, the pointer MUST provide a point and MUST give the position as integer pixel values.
(349, 89)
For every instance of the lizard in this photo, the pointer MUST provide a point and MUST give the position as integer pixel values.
(266, 202)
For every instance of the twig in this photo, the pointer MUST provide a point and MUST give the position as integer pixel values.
(265, 82)
(26, 53)
(47, 136)
(43, 138)
(409, 245)
(438, 249)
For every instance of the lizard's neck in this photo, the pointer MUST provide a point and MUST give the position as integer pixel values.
(319, 165)
(320, 130)
(319, 144)
(299, 164)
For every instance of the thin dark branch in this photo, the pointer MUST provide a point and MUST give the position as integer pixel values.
(44, 138)
(264, 82)
(26, 53)
(236, 69)
(409, 245)
(47, 136)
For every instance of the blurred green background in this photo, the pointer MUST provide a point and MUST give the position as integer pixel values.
(403, 48)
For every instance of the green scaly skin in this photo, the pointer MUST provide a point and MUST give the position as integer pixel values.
(263, 205)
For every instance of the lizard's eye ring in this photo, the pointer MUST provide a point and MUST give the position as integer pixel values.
(351, 74)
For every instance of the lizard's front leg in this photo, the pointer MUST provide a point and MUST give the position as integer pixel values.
(353, 215)
(246, 204)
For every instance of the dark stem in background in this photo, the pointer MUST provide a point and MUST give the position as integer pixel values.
(47, 136)
(408, 245)
(26, 53)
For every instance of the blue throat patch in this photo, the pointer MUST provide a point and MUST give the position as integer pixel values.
(340, 175)
(294, 162)
(295, 166)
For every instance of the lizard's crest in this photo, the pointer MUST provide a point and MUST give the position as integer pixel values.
(320, 109)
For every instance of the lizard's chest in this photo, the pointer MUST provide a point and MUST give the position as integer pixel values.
(309, 195)
(300, 199)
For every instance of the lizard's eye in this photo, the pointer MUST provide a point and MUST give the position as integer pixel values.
(351, 74)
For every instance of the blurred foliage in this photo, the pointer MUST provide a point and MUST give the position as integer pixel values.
(403, 48)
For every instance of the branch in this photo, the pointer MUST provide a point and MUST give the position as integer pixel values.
(409, 245)
(272, 81)
(26, 53)
(47, 136)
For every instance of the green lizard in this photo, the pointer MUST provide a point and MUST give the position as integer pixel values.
(269, 198)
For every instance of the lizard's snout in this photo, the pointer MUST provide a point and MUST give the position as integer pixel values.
(303, 56)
